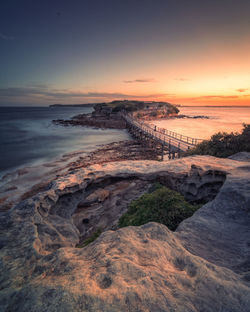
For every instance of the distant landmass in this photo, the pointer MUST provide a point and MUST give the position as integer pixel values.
(73, 105)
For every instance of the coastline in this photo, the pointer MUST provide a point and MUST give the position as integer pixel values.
(207, 252)
(83, 195)
(30, 179)
(27, 181)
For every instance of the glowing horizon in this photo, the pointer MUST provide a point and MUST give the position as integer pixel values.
(92, 52)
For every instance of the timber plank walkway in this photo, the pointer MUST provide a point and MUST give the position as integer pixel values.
(171, 141)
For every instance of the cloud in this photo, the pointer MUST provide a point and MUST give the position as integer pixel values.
(38, 85)
(22, 91)
(43, 91)
(139, 80)
(4, 37)
(242, 89)
(217, 96)
(205, 97)
(182, 79)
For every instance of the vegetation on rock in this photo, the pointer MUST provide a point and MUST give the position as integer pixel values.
(224, 144)
(132, 106)
(160, 205)
(89, 240)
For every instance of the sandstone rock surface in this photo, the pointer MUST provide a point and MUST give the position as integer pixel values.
(25, 183)
(203, 266)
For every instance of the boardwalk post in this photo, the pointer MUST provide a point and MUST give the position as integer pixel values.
(169, 149)
(162, 152)
(179, 150)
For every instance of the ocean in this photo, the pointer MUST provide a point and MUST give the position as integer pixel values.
(28, 136)
(221, 119)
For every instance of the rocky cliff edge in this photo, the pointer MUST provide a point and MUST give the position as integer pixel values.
(202, 266)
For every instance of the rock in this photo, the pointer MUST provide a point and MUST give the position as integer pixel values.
(93, 121)
(203, 266)
(15, 187)
(194, 117)
(98, 196)
(22, 171)
(241, 156)
(102, 209)
(10, 188)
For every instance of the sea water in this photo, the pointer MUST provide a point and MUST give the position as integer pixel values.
(28, 136)
(220, 119)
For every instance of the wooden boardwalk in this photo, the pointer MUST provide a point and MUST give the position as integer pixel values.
(170, 142)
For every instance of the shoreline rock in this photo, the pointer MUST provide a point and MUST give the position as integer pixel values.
(26, 182)
(193, 117)
(203, 266)
(86, 120)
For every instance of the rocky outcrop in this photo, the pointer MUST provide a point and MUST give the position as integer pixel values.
(88, 120)
(193, 117)
(203, 266)
(25, 183)
(108, 115)
(241, 156)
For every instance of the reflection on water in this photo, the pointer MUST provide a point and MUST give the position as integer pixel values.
(224, 119)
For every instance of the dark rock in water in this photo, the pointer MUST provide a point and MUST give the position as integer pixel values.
(203, 266)
(194, 117)
(93, 120)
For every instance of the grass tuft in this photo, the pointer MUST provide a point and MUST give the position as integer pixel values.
(159, 205)
(89, 240)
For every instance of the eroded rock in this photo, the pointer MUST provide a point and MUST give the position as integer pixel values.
(203, 266)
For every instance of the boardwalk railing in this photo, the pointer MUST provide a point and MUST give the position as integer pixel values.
(162, 136)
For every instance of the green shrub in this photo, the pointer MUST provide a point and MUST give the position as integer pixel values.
(224, 144)
(131, 106)
(172, 109)
(89, 240)
(118, 108)
(161, 205)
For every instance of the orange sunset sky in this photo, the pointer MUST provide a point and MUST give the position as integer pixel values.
(188, 53)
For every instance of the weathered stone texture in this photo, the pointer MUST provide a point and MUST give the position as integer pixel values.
(203, 266)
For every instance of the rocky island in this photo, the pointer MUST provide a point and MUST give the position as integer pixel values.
(107, 115)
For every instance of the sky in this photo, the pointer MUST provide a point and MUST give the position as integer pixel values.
(188, 52)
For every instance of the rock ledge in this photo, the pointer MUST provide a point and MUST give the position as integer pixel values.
(203, 266)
